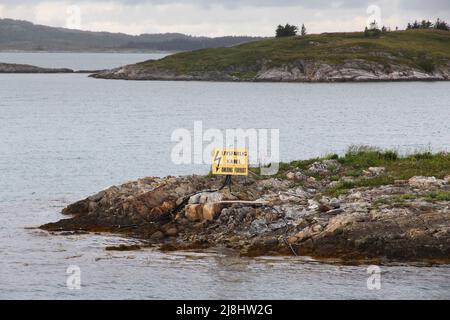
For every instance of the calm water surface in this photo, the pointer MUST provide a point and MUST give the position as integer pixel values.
(77, 61)
(64, 137)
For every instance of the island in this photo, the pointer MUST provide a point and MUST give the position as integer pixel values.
(418, 54)
(26, 68)
(366, 205)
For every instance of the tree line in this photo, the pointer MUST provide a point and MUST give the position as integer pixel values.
(427, 24)
(373, 29)
(289, 30)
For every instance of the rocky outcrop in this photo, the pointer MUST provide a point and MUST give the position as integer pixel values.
(349, 70)
(25, 68)
(267, 216)
(297, 71)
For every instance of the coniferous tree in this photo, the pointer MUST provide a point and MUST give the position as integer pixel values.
(303, 30)
(372, 30)
(427, 24)
(441, 25)
(286, 31)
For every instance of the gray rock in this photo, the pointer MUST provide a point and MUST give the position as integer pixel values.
(259, 226)
(313, 205)
(294, 212)
(425, 182)
(195, 199)
(209, 197)
(376, 170)
(324, 166)
(335, 203)
(277, 225)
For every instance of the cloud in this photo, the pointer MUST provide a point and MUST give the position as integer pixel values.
(221, 17)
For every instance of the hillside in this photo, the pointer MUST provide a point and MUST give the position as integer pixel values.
(402, 55)
(26, 36)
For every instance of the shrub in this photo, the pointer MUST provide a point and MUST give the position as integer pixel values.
(286, 31)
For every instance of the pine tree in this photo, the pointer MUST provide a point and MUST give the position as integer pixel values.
(303, 30)
(366, 32)
(441, 25)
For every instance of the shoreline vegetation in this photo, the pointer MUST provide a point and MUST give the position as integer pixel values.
(409, 55)
(369, 205)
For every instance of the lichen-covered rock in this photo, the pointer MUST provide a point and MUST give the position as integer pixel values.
(425, 182)
(376, 170)
(324, 166)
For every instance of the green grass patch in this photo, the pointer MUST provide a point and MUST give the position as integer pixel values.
(362, 157)
(244, 75)
(397, 199)
(359, 158)
(424, 49)
(401, 199)
(438, 196)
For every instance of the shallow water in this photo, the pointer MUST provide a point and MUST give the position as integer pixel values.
(64, 137)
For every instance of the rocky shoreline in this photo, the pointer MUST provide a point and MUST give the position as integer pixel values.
(356, 70)
(315, 209)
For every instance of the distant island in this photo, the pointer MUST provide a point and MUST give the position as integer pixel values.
(18, 35)
(26, 68)
(414, 54)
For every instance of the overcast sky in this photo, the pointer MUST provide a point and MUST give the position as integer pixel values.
(221, 17)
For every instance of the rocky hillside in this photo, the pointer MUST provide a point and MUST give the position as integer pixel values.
(400, 55)
(367, 205)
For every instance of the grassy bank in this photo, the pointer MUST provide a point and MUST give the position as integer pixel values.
(423, 49)
(359, 158)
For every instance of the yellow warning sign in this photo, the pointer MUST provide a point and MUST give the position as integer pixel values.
(230, 161)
